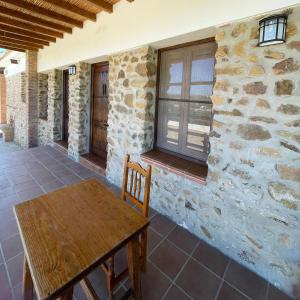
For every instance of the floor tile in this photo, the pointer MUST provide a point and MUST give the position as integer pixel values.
(153, 239)
(4, 283)
(53, 185)
(162, 224)
(183, 239)
(20, 179)
(11, 247)
(15, 269)
(8, 229)
(198, 282)
(168, 258)
(276, 294)
(211, 258)
(176, 294)
(246, 281)
(30, 184)
(154, 283)
(70, 179)
(227, 292)
(8, 201)
(30, 193)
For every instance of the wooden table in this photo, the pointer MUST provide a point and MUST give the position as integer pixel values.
(68, 233)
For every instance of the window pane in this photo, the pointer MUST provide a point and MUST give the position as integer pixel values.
(174, 90)
(201, 90)
(198, 127)
(175, 72)
(169, 119)
(203, 70)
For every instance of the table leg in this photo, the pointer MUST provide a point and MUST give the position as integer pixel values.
(134, 267)
(27, 282)
(67, 295)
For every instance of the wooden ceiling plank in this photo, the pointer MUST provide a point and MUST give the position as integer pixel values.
(9, 40)
(26, 17)
(73, 8)
(23, 38)
(27, 33)
(34, 28)
(16, 45)
(44, 12)
(108, 7)
(12, 48)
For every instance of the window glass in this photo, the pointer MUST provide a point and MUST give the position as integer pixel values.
(198, 126)
(170, 123)
(203, 70)
(175, 72)
(174, 90)
(201, 90)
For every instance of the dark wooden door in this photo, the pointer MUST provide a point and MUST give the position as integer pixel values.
(65, 106)
(99, 110)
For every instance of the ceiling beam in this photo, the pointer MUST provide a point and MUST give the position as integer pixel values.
(18, 46)
(25, 43)
(23, 38)
(44, 12)
(73, 8)
(26, 26)
(108, 7)
(26, 17)
(12, 48)
(27, 33)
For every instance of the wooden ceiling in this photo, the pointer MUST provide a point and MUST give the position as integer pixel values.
(33, 24)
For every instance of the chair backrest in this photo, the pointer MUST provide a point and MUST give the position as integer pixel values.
(136, 179)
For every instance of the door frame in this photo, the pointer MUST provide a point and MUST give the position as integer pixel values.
(101, 63)
(65, 72)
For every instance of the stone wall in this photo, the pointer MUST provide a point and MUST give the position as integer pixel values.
(249, 208)
(132, 78)
(17, 108)
(31, 91)
(254, 161)
(2, 99)
(55, 104)
(79, 107)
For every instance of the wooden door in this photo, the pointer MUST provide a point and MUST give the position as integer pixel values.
(99, 110)
(65, 134)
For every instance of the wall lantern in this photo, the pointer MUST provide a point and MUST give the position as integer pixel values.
(72, 70)
(272, 30)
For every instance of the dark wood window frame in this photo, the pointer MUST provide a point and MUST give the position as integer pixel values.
(187, 166)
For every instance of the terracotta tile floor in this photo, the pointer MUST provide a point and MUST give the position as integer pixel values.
(180, 266)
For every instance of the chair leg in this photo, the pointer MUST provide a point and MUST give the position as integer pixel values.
(144, 251)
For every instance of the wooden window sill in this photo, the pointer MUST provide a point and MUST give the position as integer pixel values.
(180, 166)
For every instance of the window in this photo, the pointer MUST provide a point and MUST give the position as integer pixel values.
(184, 104)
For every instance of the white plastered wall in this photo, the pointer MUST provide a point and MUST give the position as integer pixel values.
(157, 22)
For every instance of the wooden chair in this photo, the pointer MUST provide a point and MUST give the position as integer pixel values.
(133, 189)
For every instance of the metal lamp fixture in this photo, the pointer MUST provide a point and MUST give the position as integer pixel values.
(272, 30)
(72, 70)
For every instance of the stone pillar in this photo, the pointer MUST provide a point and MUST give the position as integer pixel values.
(2, 99)
(31, 94)
(43, 136)
(43, 95)
(55, 104)
(132, 77)
(79, 106)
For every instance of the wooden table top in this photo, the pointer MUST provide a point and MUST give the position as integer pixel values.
(69, 232)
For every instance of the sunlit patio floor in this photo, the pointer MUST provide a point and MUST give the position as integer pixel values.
(180, 266)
